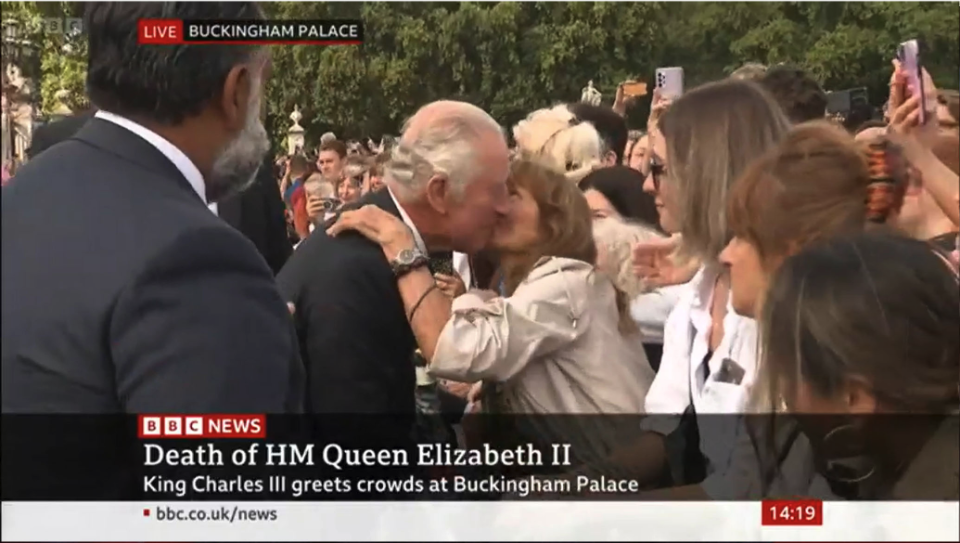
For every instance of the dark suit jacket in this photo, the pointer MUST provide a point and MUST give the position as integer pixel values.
(51, 134)
(123, 293)
(258, 212)
(354, 335)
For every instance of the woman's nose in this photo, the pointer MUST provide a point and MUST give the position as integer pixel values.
(648, 186)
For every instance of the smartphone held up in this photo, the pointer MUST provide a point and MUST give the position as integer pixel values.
(670, 82)
(908, 53)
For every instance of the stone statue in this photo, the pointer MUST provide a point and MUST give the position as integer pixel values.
(590, 95)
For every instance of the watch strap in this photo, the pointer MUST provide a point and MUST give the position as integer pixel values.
(401, 269)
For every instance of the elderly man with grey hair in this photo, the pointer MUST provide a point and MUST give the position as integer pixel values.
(446, 180)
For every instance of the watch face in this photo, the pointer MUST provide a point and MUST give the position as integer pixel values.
(406, 257)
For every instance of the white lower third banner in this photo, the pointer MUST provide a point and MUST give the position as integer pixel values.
(473, 521)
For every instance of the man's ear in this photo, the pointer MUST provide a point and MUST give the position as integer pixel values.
(237, 90)
(438, 193)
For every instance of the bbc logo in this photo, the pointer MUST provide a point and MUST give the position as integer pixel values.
(171, 426)
(72, 26)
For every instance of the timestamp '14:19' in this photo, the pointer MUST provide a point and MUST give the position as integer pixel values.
(792, 513)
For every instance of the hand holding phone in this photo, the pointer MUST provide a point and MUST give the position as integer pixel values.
(909, 56)
(670, 82)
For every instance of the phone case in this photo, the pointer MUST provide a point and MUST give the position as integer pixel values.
(670, 82)
(909, 56)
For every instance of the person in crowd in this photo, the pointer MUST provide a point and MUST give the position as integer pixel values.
(816, 185)
(649, 307)
(561, 138)
(560, 341)
(297, 169)
(632, 137)
(709, 357)
(864, 328)
(148, 260)
(948, 110)
(917, 141)
(751, 71)
(921, 217)
(322, 201)
(350, 184)
(637, 158)
(800, 96)
(374, 178)
(330, 157)
(611, 127)
(350, 314)
(50, 134)
(617, 191)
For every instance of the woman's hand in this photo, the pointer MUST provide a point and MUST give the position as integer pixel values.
(378, 226)
(657, 107)
(905, 109)
(654, 263)
(451, 285)
(621, 101)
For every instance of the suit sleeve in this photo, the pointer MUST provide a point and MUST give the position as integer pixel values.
(203, 330)
(347, 315)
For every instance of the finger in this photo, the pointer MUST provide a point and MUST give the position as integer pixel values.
(901, 112)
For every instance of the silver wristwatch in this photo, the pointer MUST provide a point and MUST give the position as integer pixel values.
(408, 260)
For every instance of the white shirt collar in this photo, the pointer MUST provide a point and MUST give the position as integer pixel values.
(406, 219)
(169, 150)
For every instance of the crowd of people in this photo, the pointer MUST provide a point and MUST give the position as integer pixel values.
(741, 255)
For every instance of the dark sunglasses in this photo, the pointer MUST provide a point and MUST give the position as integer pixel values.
(657, 171)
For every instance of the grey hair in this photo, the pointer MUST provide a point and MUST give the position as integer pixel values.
(444, 146)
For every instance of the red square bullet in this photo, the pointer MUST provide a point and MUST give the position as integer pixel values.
(146, 512)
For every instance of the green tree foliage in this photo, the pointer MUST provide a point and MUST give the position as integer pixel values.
(56, 59)
(511, 58)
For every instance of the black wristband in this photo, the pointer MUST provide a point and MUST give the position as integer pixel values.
(416, 306)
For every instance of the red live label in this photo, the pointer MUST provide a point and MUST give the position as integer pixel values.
(792, 513)
(201, 426)
(159, 31)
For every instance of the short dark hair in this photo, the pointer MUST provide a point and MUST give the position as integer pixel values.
(164, 83)
(336, 146)
(610, 125)
(800, 96)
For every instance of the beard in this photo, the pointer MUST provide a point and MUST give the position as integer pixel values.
(236, 167)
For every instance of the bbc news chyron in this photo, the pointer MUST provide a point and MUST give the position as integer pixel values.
(340, 458)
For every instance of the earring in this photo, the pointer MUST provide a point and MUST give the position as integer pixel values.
(848, 470)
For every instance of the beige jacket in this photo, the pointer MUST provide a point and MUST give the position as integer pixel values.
(554, 346)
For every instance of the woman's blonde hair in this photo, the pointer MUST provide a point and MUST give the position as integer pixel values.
(566, 224)
(712, 134)
(560, 139)
(615, 239)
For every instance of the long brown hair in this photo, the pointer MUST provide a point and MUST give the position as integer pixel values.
(566, 224)
(814, 185)
(712, 134)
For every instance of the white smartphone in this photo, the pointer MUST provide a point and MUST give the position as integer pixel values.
(909, 56)
(670, 82)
